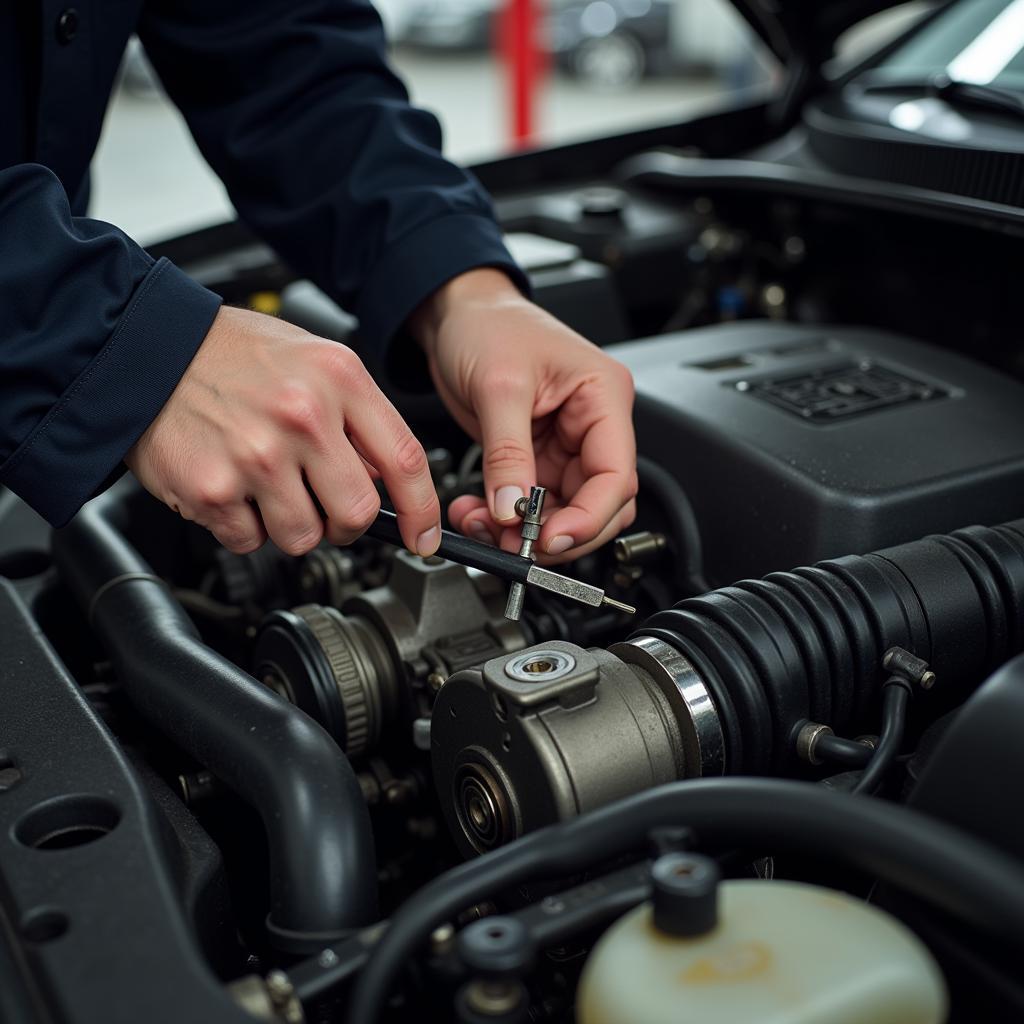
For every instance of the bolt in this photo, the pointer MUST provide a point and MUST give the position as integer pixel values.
(795, 248)
(493, 998)
(552, 905)
(370, 787)
(328, 958)
(279, 986)
(10, 776)
(396, 793)
(436, 680)
(442, 939)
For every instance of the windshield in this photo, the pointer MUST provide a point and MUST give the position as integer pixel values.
(976, 41)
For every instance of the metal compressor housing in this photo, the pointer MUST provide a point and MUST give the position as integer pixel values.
(555, 731)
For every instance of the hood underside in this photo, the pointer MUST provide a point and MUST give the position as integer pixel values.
(806, 29)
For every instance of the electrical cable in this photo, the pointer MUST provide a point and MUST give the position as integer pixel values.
(942, 866)
(675, 504)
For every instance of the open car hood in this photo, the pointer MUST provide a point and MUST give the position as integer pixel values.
(806, 30)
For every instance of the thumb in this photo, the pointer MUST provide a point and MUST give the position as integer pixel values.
(507, 438)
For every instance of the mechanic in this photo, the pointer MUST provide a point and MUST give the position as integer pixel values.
(109, 358)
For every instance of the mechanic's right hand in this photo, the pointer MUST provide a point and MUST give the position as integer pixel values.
(266, 410)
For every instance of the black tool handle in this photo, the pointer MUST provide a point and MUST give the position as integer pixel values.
(457, 548)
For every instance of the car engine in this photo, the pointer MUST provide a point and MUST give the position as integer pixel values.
(346, 787)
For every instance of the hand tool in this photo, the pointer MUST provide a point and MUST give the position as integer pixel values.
(529, 509)
(512, 568)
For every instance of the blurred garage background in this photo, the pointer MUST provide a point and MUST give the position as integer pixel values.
(610, 65)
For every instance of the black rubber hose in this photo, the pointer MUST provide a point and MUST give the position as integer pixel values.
(682, 520)
(895, 699)
(843, 753)
(942, 866)
(323, 869)
(807, 645)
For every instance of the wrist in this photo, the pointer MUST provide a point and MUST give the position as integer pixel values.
(482, 286)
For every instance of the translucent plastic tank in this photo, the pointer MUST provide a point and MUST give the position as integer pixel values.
(781, 953)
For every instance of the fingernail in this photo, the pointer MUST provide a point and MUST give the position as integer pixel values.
(505, 499)
(559, 544)
(428, 541)
(480, 532)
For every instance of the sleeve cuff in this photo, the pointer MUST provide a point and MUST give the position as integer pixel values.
(420, 262)
(76, 448)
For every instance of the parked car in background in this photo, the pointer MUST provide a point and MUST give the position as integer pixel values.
(448, 24)
(605, 43)
(612, 43)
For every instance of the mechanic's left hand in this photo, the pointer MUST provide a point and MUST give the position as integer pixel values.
(548, 407)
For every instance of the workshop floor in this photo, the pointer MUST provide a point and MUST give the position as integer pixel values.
(150, 180)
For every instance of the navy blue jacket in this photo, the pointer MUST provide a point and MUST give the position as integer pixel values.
(293, 105)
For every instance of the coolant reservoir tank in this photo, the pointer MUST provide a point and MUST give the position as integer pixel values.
(771, 952)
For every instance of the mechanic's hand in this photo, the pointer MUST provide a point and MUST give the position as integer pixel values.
(548, 407)
(266, 411)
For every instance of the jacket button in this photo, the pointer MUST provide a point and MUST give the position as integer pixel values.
(67, 26)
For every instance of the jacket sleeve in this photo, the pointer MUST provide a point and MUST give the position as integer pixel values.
(94, 336)
(294, 106)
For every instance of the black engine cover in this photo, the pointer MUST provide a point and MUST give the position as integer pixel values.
(798, 443)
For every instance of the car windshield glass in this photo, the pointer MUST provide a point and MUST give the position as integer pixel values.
(980, 42)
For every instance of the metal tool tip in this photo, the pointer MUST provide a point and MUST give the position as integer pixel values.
(611, 602)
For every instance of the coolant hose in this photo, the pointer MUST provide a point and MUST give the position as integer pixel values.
(807, 645)
(946, 868)
(281, 762)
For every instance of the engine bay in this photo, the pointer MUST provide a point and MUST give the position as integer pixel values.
(346, 787)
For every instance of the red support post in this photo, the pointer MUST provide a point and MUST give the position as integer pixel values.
(525, 64)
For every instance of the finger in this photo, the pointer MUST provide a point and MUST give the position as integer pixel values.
(383, 439)
(608, 463)
(238, 527)
(621, 521)
(289, 515)
(371, 470)
(469, 515)
(215, 499)
(340, 480)
(507, 439)
(511, 537)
